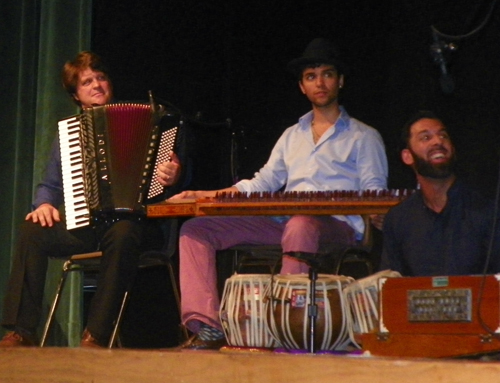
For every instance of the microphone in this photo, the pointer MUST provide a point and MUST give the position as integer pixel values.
(438, 48)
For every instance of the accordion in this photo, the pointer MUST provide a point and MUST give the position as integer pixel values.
(109, 158)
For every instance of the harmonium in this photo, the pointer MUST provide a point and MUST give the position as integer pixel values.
(336, 202)
(442, 316)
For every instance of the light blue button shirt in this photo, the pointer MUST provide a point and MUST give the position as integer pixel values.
(350, 155)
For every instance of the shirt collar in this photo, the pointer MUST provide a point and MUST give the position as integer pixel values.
(452, 193)
(342, 122)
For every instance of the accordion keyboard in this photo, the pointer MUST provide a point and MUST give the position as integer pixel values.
(76, 210)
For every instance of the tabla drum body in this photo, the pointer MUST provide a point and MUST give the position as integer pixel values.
(242, 311)
(288, 316)
(363, 299)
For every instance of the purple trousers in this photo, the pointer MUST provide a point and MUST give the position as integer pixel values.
(201, 237)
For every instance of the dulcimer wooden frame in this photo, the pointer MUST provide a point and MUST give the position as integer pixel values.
(303, 203)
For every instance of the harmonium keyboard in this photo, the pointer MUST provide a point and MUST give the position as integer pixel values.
(437, 317)
(283, 203)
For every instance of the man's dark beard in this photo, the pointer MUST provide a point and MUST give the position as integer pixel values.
(426, 169)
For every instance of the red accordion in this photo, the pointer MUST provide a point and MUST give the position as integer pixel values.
(109, 157)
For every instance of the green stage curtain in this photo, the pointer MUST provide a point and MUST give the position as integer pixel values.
(37, 38)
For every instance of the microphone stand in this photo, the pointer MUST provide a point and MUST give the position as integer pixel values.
(313, 262)
(312, 308)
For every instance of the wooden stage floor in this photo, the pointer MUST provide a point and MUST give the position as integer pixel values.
(70, 365)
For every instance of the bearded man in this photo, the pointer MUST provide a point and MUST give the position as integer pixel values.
(445, 228)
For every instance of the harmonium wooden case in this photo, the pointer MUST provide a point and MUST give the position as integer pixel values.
(444, 316)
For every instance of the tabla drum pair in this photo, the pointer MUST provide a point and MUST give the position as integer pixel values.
(260, 311)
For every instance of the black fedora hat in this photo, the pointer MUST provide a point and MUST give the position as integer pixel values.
(319, 51)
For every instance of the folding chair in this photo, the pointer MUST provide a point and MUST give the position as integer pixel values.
(90, 262)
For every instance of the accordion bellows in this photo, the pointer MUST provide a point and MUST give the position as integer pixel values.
(109, 157)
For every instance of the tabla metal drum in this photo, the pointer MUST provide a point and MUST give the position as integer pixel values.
(242, 311)
(363, 299)
(287, 311)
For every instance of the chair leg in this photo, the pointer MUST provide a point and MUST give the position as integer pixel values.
(118, 321)
(177, 297)
(55, 303)
(236, 262)
(275, 265)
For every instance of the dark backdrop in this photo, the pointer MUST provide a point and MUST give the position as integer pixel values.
(226, 59)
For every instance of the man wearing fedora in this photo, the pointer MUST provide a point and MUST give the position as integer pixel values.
(325, 150)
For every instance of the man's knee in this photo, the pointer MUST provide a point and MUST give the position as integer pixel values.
(301, 225)
(124, 233)
(193, 228)
(30, 231)
(124, 227)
